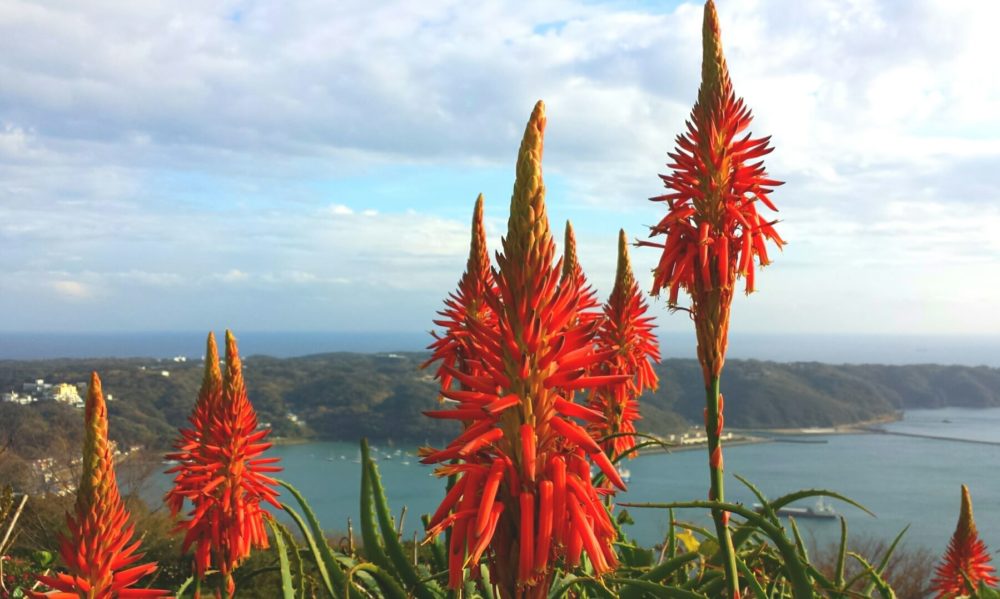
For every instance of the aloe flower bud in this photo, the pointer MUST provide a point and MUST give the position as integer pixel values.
(574, 277)
(101, 551)
(221, 472)
(967, 561)
(465, 310)
(627, 340)
(717, 188)
(523, 495)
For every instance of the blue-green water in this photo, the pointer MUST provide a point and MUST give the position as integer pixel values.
(905, 481)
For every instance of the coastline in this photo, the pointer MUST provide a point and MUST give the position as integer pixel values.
(861, 427)
(753, 436)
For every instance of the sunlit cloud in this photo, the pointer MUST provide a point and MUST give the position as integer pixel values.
(324, 156)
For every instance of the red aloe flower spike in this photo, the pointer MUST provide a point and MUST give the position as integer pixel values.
(101, 551)
(223, 475)
(712, 227)
(516, 450)
(466, 309)
(573, 276)
(712, 233)
(967, 560)
(187, 482)
(626, 338)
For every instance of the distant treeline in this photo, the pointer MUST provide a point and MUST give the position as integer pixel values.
(344, 396)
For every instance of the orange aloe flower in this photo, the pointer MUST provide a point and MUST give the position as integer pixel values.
(713, 234)
(523, 495)
(714, 231)
(101, 551)
(967, 559)
(574, 277)
(627, 333)
(221, 472)
(466, 309)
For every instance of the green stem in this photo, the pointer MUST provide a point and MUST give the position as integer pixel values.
(718, 487)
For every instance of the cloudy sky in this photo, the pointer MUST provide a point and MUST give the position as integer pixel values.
(312, 165)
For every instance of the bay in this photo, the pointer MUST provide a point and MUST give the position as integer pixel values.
(905, 481)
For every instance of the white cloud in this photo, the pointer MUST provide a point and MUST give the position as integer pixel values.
(233, 276)
(170, 142)
(340, 210)
(74, 290)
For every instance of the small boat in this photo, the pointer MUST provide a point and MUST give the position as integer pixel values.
(821, 510)
(626, 475)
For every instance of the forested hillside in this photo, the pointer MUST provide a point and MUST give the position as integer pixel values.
(345, 396)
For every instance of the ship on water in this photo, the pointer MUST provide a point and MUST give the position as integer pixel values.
(821, 510)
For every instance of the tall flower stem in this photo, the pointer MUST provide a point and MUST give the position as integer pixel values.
(714, 235)
(713, 430)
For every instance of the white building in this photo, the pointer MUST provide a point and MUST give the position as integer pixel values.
(65, 393)
(15, 397)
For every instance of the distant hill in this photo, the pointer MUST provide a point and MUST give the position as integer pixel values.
(347, 395)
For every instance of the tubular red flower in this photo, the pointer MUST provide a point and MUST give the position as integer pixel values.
(466, 309)
(627, 340)
(712, 233)
(713, 229)
(967, 558)
(516, 451)
(574, 278)
(101, 551)
(221, 471)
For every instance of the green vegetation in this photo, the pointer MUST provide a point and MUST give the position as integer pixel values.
(344, 396)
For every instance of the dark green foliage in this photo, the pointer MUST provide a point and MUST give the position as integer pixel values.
(345, 396)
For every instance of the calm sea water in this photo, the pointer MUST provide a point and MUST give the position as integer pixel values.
(835, 349)
(904, 481)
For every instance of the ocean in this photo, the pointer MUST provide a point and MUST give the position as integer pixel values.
(905, 481)
(829, 348)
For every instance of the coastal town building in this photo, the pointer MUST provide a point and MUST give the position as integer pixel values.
(39, 390)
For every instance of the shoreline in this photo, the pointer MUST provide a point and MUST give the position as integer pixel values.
(862, 427)
(754, 436)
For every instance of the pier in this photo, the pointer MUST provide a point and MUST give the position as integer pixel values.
(882, 431)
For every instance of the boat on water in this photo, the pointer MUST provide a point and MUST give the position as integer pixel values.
(821, 511)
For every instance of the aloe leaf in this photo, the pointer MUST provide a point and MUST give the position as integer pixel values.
(797, 573)
(369, 534)
(671, 545)
(284, 566)
(571, 581)
(484, 584)
(660, 572)
(183, 587)
(385, 580)
(799, 544)
(438, 553)
(750, 579)
(807, 493)
(333, 577)
(884, 563)
(394, 548)
(841, 555)
(657, 590)
(876, 582)
(766, 508)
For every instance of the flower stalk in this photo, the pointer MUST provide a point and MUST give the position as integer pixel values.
(713, 235)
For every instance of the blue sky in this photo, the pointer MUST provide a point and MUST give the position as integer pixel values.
(312, 165)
